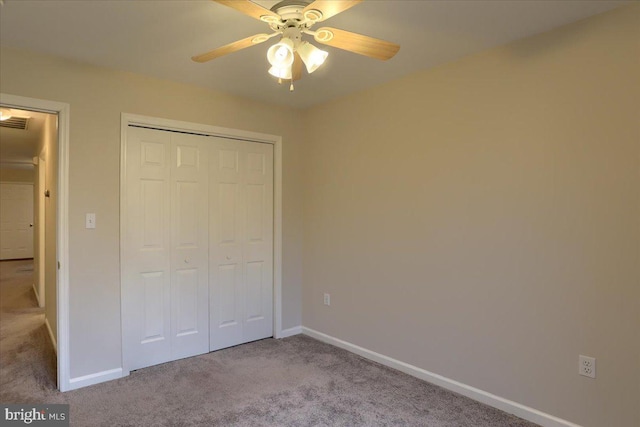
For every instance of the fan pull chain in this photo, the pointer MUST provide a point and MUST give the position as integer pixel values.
(291, 87)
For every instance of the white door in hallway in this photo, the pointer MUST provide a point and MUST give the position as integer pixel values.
(241, 242)
(165, 248)
(16, 220)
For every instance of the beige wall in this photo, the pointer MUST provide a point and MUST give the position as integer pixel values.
(16, 175)
(480, 220)
(97, 97)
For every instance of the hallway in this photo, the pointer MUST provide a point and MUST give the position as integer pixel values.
(27, 358)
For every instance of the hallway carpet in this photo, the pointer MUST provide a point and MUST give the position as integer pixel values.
(296, 381)
(27, 358)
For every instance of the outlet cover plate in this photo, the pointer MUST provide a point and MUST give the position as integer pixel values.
(587, 366)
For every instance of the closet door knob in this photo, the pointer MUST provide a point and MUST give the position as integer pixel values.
(228, 258)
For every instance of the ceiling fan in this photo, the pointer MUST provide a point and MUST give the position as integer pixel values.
(291, 19)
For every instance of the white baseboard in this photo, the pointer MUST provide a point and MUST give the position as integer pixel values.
(296, 330)
(98, 377)
(498, 402)
(35, 291)
(53, 338)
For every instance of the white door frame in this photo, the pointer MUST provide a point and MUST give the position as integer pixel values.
(62, 210)
(201, 129)
(42, 165)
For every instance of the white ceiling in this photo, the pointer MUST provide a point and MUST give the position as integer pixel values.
(158, 38)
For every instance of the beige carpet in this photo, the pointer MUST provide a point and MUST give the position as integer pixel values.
(296, 381)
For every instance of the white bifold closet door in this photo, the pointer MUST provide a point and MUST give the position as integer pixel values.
(197, 247)
(165, 269)
(240, 242)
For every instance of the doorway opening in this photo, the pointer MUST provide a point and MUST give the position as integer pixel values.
(28, 259)
(43, 163)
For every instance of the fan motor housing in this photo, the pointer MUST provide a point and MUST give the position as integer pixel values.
(291, 9)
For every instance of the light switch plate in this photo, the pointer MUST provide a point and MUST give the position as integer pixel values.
(90, 221)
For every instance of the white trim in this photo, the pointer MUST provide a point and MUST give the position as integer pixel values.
(124, 123)
(41, 221)
(35, 292)
(296, 330)
(179, 126)
(62, 232)
(53, 338)
(174, 125)
(487, 398)
(98, 377)
(277, 238)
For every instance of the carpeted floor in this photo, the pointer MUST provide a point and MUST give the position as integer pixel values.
(296, 381)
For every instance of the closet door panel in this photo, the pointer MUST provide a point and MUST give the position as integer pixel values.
(146, 281)
(189, 245)
(225, 244)
(241, 246)
(258, 240)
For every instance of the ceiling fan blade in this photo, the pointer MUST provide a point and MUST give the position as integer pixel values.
(331, 8)
(357, 43)
(296, 70)
(250, 8)
(231, 47)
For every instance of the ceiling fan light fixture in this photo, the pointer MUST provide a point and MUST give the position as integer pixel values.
(290, 20)
(5, 114)
(283, 73)
(312, 57)
(280, 55)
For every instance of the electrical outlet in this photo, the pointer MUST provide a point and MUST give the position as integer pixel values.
(587, 366)
(327, 299)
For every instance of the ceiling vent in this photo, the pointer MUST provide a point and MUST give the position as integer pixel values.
(15, 123)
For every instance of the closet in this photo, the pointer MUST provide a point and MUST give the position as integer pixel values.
(197, 271)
